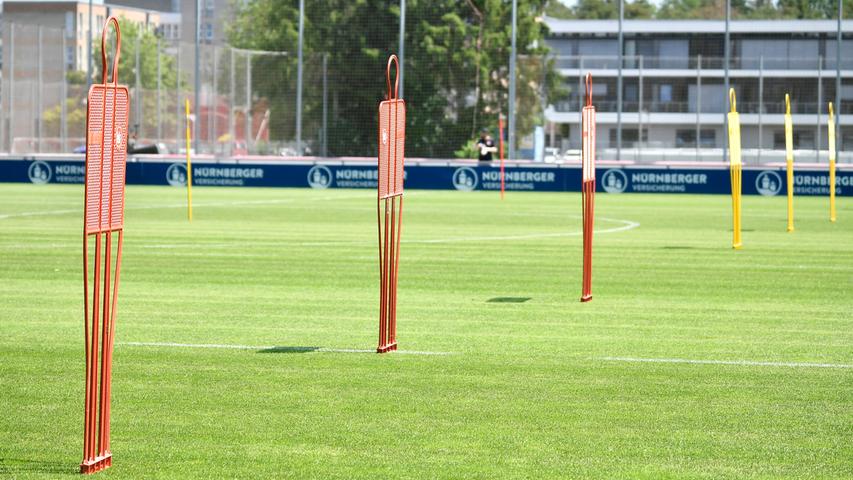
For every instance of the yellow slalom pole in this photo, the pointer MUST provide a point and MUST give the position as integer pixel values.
(789, 160)
(831, 129)
(735, 168)
(189, 168)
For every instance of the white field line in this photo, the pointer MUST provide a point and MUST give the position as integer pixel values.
(745, 363)
(184, 205)
(273, 347)
(626, 225)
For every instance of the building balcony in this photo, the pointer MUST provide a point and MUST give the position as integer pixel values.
(699, 65)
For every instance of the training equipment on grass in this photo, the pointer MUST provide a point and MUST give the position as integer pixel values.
(106, 157)
(735, 168)
(392, 140)
(831, 130)
(789, 160)
(588, 188)
(189, 166)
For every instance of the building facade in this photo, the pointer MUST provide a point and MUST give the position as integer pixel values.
(673, 82)
(67, 22)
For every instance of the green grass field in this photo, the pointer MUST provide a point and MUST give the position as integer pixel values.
(541, 386)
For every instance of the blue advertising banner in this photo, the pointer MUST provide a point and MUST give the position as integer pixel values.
(443, 176)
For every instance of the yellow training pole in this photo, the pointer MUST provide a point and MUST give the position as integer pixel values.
(789, 160)
(831, 129)
(189, 168)
(735, 168)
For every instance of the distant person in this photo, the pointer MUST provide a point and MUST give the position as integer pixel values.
(486, 146)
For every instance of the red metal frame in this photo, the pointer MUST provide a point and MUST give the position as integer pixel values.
(106, 157)
(588, 189)
(392, 140)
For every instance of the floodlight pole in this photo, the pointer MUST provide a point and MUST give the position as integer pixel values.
(619, 83)
(726, 54)
(299, 79)
(401, 49)
(511, 112)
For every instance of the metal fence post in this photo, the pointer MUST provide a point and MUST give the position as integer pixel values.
(178, 99)
(159, 85)
(11, 106)
(726, 58)
(299, 79)
(63, 95)
(580, 100)
(232, 138)
(512, 80)
(760, 106)
(819, 106)
(640, 108)
(38, 92)
(619, 82)
(214, 103)
(698, 104)
(839, 141)
(248, 122)
(137, 117)
(325, 135)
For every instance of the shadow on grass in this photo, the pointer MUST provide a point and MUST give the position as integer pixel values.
(12, 466)
(508, 300)
(289, 350)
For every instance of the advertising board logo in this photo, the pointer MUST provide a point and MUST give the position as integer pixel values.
(768, 183)
(39, 172)
(465, 179)
(319, 177)
(614, 181)
(176, 175)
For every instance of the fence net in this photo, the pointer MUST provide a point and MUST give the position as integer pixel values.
(246, 101)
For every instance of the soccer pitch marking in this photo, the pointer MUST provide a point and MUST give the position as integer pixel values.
(743, 363)
(626, 225)
(183, 205)
(272, 348)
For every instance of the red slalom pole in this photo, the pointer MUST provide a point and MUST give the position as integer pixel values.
(106, 158)
(392, 140)
(588, 189)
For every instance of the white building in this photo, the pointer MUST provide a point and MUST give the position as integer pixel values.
(673, 81)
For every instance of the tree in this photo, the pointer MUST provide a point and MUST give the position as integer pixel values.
(456, 66)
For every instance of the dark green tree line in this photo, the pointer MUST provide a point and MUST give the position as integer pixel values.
(456, 67)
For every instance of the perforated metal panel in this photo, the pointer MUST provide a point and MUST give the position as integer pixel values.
(106, 157)
(588, 150)
(392, 141)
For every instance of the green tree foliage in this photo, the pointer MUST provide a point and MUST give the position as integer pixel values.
(456, 71)
(131, 36)
(601, 9)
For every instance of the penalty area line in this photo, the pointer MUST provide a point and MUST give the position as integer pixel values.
(272, 348)
(743, 363)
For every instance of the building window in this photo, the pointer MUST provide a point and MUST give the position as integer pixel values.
(803, 140)
(69, 56)
(687, 138)
(666, 93)
(629, 137)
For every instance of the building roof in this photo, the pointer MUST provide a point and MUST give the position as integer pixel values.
(591, 27)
